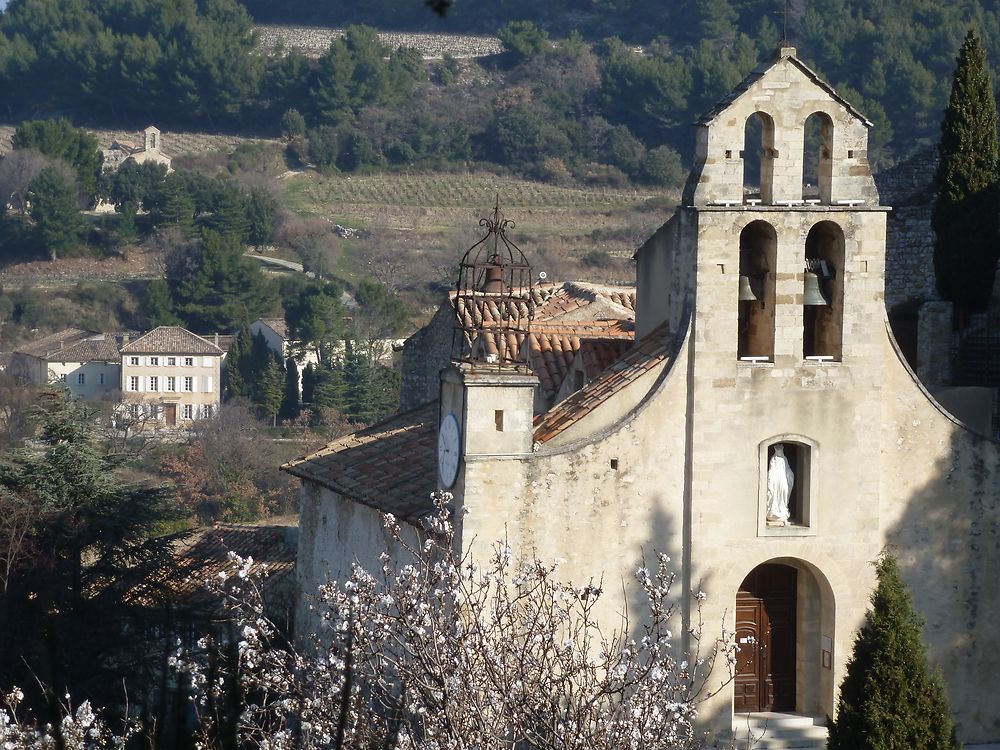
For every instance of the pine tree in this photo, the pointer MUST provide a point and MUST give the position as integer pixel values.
(965, 219)
(269, 389)
(891, 698)
(290, 404)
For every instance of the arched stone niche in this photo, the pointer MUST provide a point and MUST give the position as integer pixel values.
(802, 455)
(758, 260)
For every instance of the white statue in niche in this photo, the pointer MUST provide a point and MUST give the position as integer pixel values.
(780, 480)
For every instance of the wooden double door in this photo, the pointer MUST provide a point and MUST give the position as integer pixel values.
(765, 639)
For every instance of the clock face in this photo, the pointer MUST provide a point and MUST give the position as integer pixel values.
(449, 450)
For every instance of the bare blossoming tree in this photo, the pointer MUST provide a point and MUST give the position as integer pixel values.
(80, 729)
(440, 654)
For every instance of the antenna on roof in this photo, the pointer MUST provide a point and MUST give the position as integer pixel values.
(784, 28)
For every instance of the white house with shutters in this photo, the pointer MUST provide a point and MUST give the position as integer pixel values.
(172, 375)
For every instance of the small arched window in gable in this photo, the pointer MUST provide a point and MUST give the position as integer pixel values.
(817, 158)
(756, 296)
(823, 293)
(758, 157)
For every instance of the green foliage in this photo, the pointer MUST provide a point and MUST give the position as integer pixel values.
(315, 316)
(85, 525)
(523, 40)
(213, 287)
(58, 224)
(269, 389)
(293, 124)
(662, 166)
(323, 146)
(357, 70)
(173, 204)
(309, 384)
(890, 697)
(132, 183)
(58, 139)
(261, 213)
(229, 216)
(175, 61)
(965, 220)
(290, 402)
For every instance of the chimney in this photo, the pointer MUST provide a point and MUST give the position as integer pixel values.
(125, 338)
(216, 338)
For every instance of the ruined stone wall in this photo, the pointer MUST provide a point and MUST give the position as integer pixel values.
(313, 41)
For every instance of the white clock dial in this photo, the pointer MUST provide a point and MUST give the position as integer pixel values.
(449, 450)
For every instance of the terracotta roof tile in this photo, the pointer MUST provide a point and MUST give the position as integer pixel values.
(205, 554)
(390, 466)
(54, 342)
(553, 346)
(170, 340)
(653, 350)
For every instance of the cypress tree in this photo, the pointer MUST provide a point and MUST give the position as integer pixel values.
(308, 384)
(965, 216)
(269, 389)
(891, 699)
(290, 404)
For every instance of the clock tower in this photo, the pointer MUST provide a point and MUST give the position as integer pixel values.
(487, 394)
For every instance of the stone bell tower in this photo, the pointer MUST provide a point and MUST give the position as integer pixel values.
(785, 371)
(487, 394)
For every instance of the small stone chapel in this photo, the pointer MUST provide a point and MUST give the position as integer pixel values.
(763, 429)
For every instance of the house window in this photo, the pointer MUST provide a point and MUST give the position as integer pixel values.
(787, 482)
(207, 410)
(189, 361)
(81, 378)
(100, 378)
(154, 361)
(62, 378)
(154, 383)
(133, 382)
(171, 383)
(133, 361)
(135, 411)
(188, 411)
(171, 361)
(188, 383)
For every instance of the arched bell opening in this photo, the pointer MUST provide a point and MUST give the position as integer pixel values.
(758, 252)
(785, 619)
(817, 158)
(823, 293)
(758, 157)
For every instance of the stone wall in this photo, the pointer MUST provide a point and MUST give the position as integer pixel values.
(314, 41)
(909, 264)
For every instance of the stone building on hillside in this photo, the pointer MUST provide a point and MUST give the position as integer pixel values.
(763, 430)
(151, 150)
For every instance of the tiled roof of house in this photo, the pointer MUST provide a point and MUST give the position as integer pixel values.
(204, 554)
(650, 352)
(553, 346)
(390, 466)
(75, 345)
(277, 325)
(757, 73)
(170, 340)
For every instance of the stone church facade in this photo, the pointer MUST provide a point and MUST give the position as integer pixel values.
(760, 331)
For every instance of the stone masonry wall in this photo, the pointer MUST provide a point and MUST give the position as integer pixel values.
(909, 189)
(314, 41)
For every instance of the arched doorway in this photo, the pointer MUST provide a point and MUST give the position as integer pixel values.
(765, 636)
(785, 618)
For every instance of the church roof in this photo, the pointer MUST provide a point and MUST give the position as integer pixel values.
(650, 352)
(761, 70)
(553, 346)
(390, 466)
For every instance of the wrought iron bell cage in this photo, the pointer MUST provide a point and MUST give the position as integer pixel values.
(494, 302)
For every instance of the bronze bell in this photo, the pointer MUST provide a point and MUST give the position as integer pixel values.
(812, 292)
(746, 290)
(493, 281)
